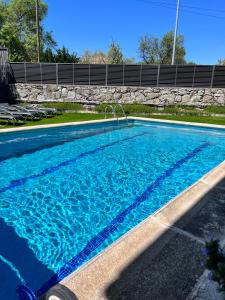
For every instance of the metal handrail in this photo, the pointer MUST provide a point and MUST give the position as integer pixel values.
(113, 110)
(120, 106)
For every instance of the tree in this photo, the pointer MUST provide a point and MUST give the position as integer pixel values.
(154, 50)
(97, 57)
(48, 56)
(61, 55)
(18, 29)
(115, 55)
(221, 62)
(149, 49)
(166, 49)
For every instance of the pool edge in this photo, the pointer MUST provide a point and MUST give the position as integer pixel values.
(59, 125)
(92, 279)
(207, 125)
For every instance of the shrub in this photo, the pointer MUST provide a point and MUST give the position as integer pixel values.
(62, 106)
(128, 108)
(216, 262)
(215, 109)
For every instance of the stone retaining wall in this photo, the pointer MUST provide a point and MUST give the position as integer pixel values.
(92, 95)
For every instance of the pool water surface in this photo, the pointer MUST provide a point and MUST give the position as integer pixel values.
(68, 193)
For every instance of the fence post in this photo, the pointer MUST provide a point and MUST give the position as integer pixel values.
(106, 74)
(193, 80)
(41, 73)
(73, 74)
(123, 73)
(140, 74)
(175, 83)
(157, 84)
(89, 74)
(25, 72)
(212, 79)
(57, 74)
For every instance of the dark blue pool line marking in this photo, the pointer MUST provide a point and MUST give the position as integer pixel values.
(71, 139)
(96, 241)
(50, 170)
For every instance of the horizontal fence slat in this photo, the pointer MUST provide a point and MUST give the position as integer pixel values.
(167, 76)
(118, 75)
(81, 74)
(115, 75)
(149, 75)
(65, 73)
(17, 71)
(184, 77)
(219, 76)
(49, 73)
(97, 74)
(33, 73)
(132, 75)
(203, 76)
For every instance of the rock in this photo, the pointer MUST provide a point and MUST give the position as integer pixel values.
(71, 95)
(64, 92)
(40, 98)
(185, 99)
(124, 94)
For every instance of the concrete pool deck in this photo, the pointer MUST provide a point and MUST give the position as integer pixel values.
(161, 257)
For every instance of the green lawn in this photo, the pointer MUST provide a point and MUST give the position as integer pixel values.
(77, 117)
(197, 119)
(64, 118)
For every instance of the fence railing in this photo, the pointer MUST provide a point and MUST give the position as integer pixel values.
(119, 75)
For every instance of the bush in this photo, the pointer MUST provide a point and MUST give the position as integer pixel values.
(128, 108)
(62, 106)
(216, 262)
(215, 109)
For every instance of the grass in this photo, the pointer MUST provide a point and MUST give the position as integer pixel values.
(194, 119)
(64, 118)
(78, 117)
(177, 113)
(62, 106)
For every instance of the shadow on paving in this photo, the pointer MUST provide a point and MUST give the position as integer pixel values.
(170, 268)
(17, 252)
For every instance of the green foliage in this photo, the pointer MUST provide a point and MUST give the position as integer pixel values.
(154, 50)
(63, 106)
(215, 109)
(138, 108)
(115, 55)
(149, 49)
(128, 108)
(18, 29)
(147, 109)
(60, 56)
(216, 262)
(221, 62)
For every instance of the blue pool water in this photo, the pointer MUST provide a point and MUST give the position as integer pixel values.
(69, 192)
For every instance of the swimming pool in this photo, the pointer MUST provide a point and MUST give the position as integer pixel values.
(66, 193)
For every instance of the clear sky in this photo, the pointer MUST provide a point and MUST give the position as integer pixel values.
(92, 24)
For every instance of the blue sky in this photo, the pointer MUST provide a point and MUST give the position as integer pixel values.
(89, 24)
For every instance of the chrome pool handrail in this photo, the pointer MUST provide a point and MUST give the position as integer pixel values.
(113, 110)
(123, 111)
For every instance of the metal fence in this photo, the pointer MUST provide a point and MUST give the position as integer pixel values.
(119, 75)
